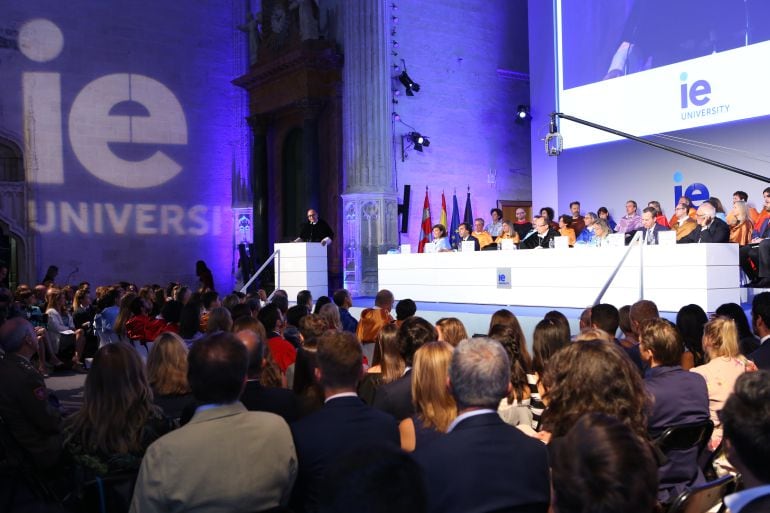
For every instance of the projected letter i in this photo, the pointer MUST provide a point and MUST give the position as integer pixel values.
(695, 93)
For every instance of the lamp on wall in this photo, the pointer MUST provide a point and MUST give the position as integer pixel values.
(522, 113)
(418, 140)
(410, 85)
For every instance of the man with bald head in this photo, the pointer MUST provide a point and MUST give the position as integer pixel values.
(29, 412)
(315, 229)
(710, 227)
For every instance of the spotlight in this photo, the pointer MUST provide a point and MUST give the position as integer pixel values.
(409, 84)
(418, 140)
(522, 113)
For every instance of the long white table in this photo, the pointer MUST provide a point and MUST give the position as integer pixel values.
(707, 275)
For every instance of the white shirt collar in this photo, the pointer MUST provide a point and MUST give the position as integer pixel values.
(467, 415)
(342, 394)
(737, 501)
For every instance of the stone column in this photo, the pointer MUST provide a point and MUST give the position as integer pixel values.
(369, 199)
(259, 127)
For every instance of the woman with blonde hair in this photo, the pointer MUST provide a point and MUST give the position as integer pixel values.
(451, 330)
(725, 364)
(741, 226)
(61, 327)
(118, 419)
(434, 406)
(331, 314)
(507, 232)
(167, 374)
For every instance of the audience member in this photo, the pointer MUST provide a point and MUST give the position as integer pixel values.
(586, 235)
(660, 218)
(725, 365)
(630, 222)
(746, 421)
(29, 412)
(305, 298)
(372, 320)
(678, 397)
(483, 236)
(451, 330)
(320, 303)
(604, 215)
(478, 464)
(514, 409)
(747, 341)
(577, 222)
(607, 318)
(681, 222)
(118, 420)
(600, 466)
(405, 309)
(496, 226)
(547, 339)
(560, 320)
(507, 233)
(741, 227)
(377, 479)
(520, 224)
(542, 237)
(219, 320)
(291, 332)
(61, 328)
(396, 397)
(190, 322)
(167, 375)
(209, 463)
(566, 230)
(434, 406)
(281, 349)
(305, 386)
(257, 397)
(343, 301)
(331, 314)
(388, 364)
(593, 376)
(344, 422)
(760, 320)
(690, 321)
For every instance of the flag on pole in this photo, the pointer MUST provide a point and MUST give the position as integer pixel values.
(454, 237)
(425, 227)
(468, 217)
(443, 211)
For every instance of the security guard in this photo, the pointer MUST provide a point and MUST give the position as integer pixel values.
(28, 411)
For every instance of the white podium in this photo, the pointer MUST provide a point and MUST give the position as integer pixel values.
(302, 266)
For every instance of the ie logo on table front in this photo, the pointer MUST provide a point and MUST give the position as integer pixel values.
(503, 277)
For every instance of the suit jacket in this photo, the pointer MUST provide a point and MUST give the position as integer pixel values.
(342, 424)
(395, 397)
(656, 229)
(534, 240)
(225, 459)
(761, 356)
(679, 397)
(280, 401)
(349, 323)
(718, 231)
(485, 465)
(471, 238)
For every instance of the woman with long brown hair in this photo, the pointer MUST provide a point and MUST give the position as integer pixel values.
(515, 408)
(118, 419)
(388, 364)
(434, 406)
(61, 328)
(451, 330)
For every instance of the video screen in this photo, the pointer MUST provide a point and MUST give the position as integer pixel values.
(654, 66)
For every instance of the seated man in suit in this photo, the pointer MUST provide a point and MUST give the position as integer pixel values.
(464, 231)
(710, 228)
(343, 301)
(760, 320)
(542, 236)
(482, 463)
(256, 397)
(225, 456)
(372, 320)
(343, 423)
(679, 397)
(650, 228)
(396, 397)
(682, 222)
(746, 421)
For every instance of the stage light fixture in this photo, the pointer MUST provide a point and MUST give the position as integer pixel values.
(522, 113)
(410, 85)
(418, 140)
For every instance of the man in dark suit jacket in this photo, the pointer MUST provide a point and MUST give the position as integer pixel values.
(679, 397)
(479, 465)
(710, 227)
(464, 231)
(542, 237)
(256, 397)
(396, 398)
(745, 420)
(650, 228)
(760, 320)
(342, 424)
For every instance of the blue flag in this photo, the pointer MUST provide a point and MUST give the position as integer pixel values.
(468, 217)
(454, 237)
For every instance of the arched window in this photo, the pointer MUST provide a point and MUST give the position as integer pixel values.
(11, 168)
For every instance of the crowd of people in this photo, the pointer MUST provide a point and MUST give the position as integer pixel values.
(194, 401)
(708, 223)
